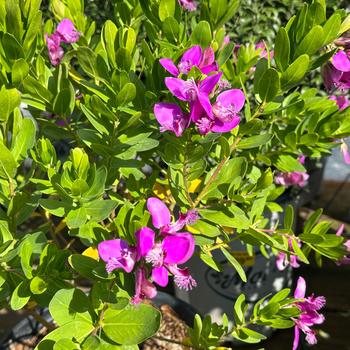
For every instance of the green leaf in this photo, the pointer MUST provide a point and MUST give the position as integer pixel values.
(123, 59)
(201, 34)
(12, 48)
(131, 325)
(345, 26)
(99, 209)
(65, 344)
(20, 70)
(269, 85)
(171, 30)
(331, 28)
(312, 42)
(64, 102)
(126, 94)
(254, 141)
(288, 164)
(8, 164)
(295, 72)
(9, 100)
(38, 285)
(76, 329)
(282, 49)
(108, 34)
(20, 296)
(288, 217)
(76, 218)
(235, 264)
(88, 267)
(25, 254)
(166, 9)
(24, 140)
(238, 312)
(281, 295)
(69, 305)
(211, 262)
(54, 207)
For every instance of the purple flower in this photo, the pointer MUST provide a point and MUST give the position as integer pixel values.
(161, 217)
(189, 5)
(116, 253)
(282, 260)
(309, 314)
(171, 117)
(224, 115)
(165, 255)
(143, 287)
(55, 51)
(298, 178)
(261, 47)
(341, 101)
(345, 152)
(336, 74)
(193, 57)
(67, 31)
(346, 259)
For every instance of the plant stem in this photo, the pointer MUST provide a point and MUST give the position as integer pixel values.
(41, 320)
(215, 174)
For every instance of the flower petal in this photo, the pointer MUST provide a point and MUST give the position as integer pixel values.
(170, 117)
(220, 126)
(341, 61)
(205, 103)
(177, 87)
(111, 249)
(170, 66)
(192, 55)
(160, 276)
(300, 289)
(233, 96)
(296, 338)
(207, 85)
(179, 247)
(144, 241)
(159, 212)
(67, 31)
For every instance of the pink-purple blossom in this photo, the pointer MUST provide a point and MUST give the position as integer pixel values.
(161, 217)
(193, 57)
(298, 178)
(342, 101)
(165, 254)
(189, 5)
(309, 307)
(66, 33)
(336, 74)
(143, 287)
(283, 260)
(344, 149)
(117, 254)
(54, 48)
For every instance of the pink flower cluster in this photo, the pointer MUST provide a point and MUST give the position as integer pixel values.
(154, 254)
(282, 260)
(294, 178)
(189, 5)
(309, 307)
(64, 33)
(220, 116)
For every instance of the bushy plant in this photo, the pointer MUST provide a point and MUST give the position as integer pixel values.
(124, 147)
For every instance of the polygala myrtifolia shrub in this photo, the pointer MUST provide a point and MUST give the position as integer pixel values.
(179, 142)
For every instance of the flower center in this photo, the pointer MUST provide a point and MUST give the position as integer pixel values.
(191, 89)
(224, 113)
(155, 256)
(204, 125)
(185, 66)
